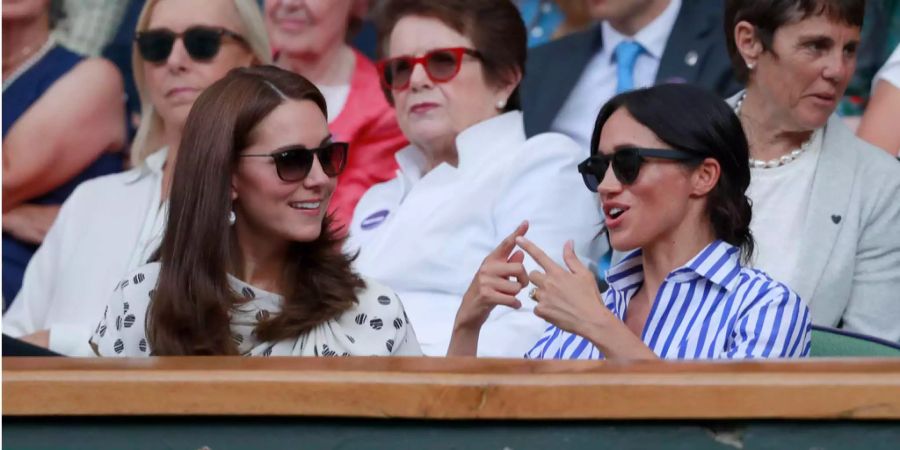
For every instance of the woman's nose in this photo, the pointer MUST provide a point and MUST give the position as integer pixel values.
(609, 184)
(178, 58)
(316, 176)
(419, 79)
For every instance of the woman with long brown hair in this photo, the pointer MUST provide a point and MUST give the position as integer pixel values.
(248, 264)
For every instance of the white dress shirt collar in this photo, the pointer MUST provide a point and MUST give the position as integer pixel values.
(473, 145)
(653, 37)
(153, 164)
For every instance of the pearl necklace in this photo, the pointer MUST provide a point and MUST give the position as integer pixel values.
(29, 63)
(777, 162)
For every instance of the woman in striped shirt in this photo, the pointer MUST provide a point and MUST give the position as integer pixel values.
(671, 168)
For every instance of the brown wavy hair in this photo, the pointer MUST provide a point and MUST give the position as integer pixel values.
(190, 309)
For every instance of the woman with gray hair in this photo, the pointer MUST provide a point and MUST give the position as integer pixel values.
(112, 225)
(825, 213)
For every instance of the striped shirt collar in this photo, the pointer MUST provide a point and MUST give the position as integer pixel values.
(718, 262)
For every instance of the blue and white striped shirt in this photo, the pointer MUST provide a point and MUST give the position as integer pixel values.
(709, 308)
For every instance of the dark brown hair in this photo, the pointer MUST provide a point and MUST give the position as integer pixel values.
(694, 120)
(767, 16)
(190, 308)
(495, 28)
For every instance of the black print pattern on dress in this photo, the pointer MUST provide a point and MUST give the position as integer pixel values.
(384, 300)
(237, 338)
(262, 315)
(125, 306)
(129, 320)
(390, 345)
(398, 323)
(267, 352)
(376, 323)
(247, 292)
(142, 345)
(327, 351)
(102, 330)
(119, 323)
(119, 346)
(360, 319)
(350, 338)
(139, 278)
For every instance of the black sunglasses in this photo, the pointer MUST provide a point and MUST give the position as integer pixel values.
(626, 163)
(202, 43)
(293, 163)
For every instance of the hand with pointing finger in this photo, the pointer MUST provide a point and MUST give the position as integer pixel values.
(568, 297)
(499, 279)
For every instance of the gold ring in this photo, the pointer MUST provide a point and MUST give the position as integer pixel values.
(533, 294)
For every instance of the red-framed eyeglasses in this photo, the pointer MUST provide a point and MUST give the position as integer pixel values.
(441, 65)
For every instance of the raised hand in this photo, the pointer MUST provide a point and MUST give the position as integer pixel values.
(499, 279)
(567, 297)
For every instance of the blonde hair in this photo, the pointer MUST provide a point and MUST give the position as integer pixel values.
(149, 133)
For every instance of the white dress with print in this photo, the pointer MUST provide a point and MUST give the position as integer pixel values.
(376, 326)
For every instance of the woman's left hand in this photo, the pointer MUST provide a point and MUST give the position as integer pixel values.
(566, 297)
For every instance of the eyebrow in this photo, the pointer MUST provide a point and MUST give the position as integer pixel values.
(327, 139)
(825, 38)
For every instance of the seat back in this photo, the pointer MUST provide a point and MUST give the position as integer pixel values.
(834, 342)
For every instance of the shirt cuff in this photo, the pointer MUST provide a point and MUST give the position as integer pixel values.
(70, 339)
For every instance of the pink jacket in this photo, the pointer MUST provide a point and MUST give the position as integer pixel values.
(368, 123)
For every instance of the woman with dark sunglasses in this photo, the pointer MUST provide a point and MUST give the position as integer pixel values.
(311, 38)
(470, 175)
(670, 169)
(249, 264)
(111, 225)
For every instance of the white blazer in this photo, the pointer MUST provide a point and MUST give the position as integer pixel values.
(426, 234)
(107, 228)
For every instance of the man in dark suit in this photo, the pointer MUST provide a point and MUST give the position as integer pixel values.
(637, 43)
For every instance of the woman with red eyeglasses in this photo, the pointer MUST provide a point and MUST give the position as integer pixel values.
(111, 225)
(249, 264)
(469, 177)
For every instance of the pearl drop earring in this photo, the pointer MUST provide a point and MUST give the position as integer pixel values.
(501, 104)
(232, 217)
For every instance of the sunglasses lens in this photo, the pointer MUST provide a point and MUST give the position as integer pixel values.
(155, 46)
(202, 43)
(626, 165)
(442, 65)
(333, 157)
(293, 165)
(592, 171)
(397, 72)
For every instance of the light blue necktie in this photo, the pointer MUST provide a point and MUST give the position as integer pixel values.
(627, 53)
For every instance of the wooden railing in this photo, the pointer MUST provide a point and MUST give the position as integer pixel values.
(452, 388)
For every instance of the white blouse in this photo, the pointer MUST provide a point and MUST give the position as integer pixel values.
(376, 326)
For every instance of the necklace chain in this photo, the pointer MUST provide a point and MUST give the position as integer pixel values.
(777, 162)
(29, 63)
